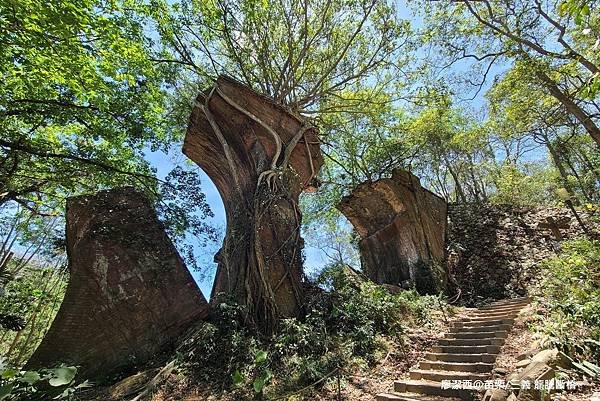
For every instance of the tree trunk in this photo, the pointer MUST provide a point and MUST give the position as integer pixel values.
(460, 193)
(260, 157)
(557, 162)
(570, 106)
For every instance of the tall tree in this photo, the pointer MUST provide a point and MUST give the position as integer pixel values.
(557, 40)
(298, 52)
(80, 99)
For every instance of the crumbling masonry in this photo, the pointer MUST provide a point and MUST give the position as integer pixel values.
(129, 294)
(402, 227)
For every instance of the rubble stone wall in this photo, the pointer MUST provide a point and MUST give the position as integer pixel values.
(494, 250)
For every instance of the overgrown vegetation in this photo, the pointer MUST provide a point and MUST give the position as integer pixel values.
(485, 100)
(39, 385)
(349, 326)
(569, 293)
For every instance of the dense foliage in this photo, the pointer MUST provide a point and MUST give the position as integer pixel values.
(80, 99)
(569, 292)
(349, 325)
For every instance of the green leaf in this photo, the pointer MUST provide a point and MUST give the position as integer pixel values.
(63, 375)
(5, 391)
(260, 357)
(9, 373)
(585, 10)
(237, 378)
(260, 382)
(258, 385)
(30, 377)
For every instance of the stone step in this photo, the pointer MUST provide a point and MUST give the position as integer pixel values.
(471, 341)
(501, 308)
(515, 301)
(512, 311)
(412, 397)
(429, 388)
(492, 312)
(467, 352)
(490, 316)
(512, 301)
(478, 334)
(504, 304)
(478, 367)
(451, 357)
(438, 376)
(476, 329)
(478, 323)
(466, 349)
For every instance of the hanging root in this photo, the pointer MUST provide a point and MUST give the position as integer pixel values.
(217, 130)
(270, 177)
(275, 135)
(271, 174)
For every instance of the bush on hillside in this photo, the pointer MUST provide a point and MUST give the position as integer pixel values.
(346, 326)
(570, 293)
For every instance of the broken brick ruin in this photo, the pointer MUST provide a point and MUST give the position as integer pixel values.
(402, 228)
(129, 294)
(260, 157)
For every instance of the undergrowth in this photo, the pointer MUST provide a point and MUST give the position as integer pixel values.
(348, 326)
(569, 293)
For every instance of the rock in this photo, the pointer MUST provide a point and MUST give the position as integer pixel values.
(129, 294)
(532, 394)
(500, 371)
(522, 356)
(402, 228)
(495, 394)
(534, 348)
(553, 358)
(542, 366)
(536, 371)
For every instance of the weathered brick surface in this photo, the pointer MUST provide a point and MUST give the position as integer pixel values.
(129, 294)
(402, 228)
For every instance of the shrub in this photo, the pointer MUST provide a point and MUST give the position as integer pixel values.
(345, 326)
(43, 384)
(570, 292)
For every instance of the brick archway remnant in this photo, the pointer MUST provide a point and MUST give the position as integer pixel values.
(402, 230)
(260, 157)
(129, 294)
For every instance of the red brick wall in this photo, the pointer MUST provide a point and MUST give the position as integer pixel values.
(129, 295)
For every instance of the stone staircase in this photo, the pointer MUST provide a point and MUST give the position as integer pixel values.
(467, 352)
